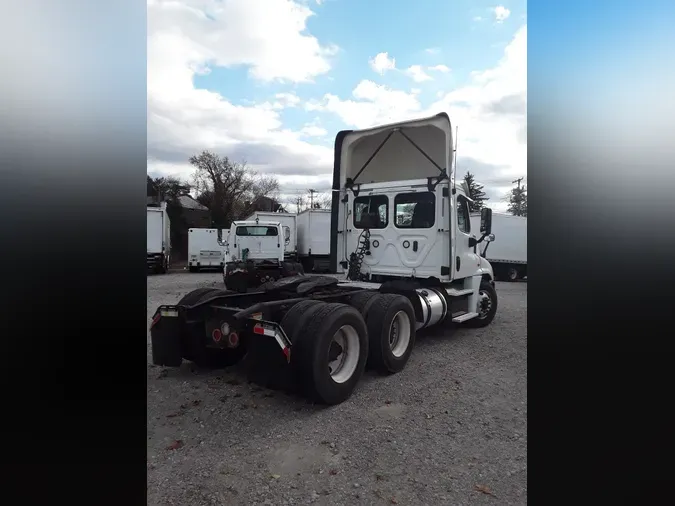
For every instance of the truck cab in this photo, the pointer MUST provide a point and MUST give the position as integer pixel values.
(256, 254)
(389, 226)
(257, 240)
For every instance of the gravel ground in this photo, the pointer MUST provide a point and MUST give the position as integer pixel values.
(450, 429)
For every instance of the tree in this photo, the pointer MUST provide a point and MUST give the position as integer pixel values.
(518, 201)
(170, 188)
(323, 201)
(229, 189)
(476, 193)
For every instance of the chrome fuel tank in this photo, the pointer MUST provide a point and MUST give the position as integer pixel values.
(434, 307)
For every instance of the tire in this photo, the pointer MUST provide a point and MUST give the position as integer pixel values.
(486, 289)
(293, 322)
(194, 269)
(289, 269)
(512, 274)
(194, 296)
(362, 302)
(347, 325)
(391, 316)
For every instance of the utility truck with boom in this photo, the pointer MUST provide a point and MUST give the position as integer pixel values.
(256, 253)
(400, 231)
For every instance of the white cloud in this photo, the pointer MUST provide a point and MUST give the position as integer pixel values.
(433, 50)
(286, 100)
(381, 63)
(313, 129)
(501, 13)
(267, 36)
(416, 72)
(440, 68)
(478, 18)
(490, 112)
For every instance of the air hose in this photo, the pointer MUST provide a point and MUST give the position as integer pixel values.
(356, 258)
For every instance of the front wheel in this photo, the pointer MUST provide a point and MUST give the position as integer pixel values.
(486, 308)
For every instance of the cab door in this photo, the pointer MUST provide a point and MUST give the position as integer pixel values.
(466, 261)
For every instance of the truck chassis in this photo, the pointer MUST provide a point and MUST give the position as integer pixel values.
(311, 334)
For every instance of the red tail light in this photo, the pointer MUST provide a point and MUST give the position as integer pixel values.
(217, 335)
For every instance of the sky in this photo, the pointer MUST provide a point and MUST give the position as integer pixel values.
(271, 82)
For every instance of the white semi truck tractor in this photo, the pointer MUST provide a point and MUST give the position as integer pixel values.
(401, 237)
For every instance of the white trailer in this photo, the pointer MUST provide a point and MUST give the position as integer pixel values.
(204, 250)
(287, 220)
(158, 239)
(507, 253)
(314, 239)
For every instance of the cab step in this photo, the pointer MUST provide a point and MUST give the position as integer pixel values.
(459, 318)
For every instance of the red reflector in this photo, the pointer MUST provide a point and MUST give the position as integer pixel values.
(216, 335)
(258, 330)
(233, 339)
(287, 353)
(155, 320)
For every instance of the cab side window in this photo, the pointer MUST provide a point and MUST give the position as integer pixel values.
(463, 218)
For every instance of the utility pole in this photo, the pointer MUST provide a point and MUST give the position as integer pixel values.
(311, 198)
(517, 181)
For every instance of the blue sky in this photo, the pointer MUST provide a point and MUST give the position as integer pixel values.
(216, 70)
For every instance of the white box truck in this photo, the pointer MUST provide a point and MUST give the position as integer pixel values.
(204, 252)
(314, 239)
(508, 252)
(287, 220)
(159, 239)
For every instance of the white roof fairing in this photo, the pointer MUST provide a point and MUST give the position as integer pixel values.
(398, 159)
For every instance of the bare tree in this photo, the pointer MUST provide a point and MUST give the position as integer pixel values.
(229, 189)
(323, 201)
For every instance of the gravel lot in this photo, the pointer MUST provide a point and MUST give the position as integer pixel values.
(450, 429)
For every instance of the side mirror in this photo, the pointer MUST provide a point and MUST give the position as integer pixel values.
(287, 234)
(486, 221)
(489, 238)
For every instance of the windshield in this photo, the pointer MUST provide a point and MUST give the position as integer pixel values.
(257, 231)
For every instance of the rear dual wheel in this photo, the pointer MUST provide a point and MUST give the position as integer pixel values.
(330, 349)
(391, 330)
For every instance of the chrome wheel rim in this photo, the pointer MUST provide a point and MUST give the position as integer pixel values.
(399, 334)
(484, 304)
(343, 354)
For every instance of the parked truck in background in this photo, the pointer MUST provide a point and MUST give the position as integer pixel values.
(204, 249)
(401, 232)
(313, 227)
(256, 254)
(158, 239)
(287, 220)
(508, 252)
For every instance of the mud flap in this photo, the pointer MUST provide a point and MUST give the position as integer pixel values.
(165, 337)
